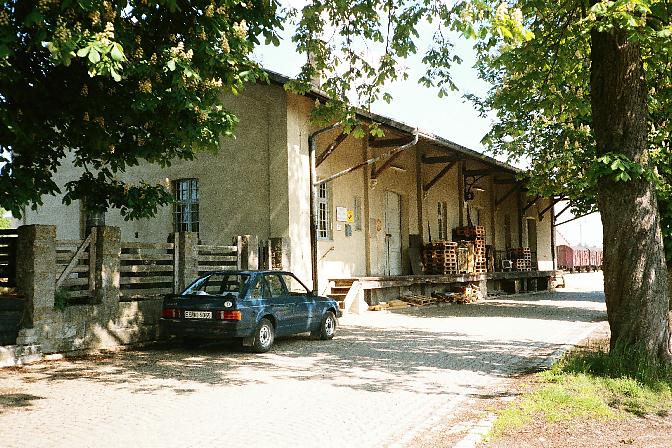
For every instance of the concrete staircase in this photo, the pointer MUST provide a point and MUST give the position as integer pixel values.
(340, 290)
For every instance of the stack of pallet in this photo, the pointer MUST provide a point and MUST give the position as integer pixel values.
(475, 235)
(469, 233)
(522, 258)
(440, 258)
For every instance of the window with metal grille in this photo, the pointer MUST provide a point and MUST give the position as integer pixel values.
(185, 216)
(323, 213)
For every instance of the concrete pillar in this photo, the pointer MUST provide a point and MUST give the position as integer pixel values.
(281, 255)
(248, 252)
(35, 270)
(108, 253)
(187, 259)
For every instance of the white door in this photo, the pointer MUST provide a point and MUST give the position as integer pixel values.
(392, 233)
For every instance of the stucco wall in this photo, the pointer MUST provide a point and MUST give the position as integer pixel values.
(235, 184)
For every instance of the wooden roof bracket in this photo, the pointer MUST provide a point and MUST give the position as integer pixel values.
(513, 189)
(531, 203)
(441, 174)
(331, 148)
(553, 202)
(388, 163)
(563, 211)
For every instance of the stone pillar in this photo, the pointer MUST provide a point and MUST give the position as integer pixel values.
(281, 255)
(187, 270)
(35, 271)
(248, 252)
(108, 253)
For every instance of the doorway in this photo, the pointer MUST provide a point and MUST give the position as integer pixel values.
(392, 233)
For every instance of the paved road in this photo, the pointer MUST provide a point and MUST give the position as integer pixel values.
(386, 378)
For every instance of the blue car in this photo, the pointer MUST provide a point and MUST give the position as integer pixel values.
(253, 306)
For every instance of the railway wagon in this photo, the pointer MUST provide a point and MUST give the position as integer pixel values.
(578, 259)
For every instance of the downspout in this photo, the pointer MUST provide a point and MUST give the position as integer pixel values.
(312, 148)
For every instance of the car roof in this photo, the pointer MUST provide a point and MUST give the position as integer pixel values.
(247, 272)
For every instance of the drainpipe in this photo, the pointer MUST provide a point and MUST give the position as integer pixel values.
(312, 148)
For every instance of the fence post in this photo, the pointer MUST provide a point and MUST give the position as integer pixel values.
(248, 252)
(35, 273)
(187, 270)
(280, 254)
(108, 254)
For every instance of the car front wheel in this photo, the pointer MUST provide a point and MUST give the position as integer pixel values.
(328, 326)
(263, 336)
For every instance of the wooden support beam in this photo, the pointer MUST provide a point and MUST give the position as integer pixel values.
(531, 203)
(377, 172)
(506, 196)
(331, 148)
(478, 173)
(553, 202)
(438, 177)
(510, 181)
(387, 143)
(563, 211)
(429, 160)
(572, 219)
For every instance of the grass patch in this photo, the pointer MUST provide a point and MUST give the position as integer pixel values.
(594, 384)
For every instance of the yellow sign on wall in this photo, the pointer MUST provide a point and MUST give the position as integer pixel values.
(350, 216)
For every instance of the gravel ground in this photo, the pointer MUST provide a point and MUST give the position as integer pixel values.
(387, 379)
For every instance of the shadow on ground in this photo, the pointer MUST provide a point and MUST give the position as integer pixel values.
(363, 357)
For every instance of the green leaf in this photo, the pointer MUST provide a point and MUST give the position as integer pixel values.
(171, 65)
(117, 53)
(82, 52)
(94, 56)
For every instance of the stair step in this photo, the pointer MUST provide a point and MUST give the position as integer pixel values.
(343, 282)
(340, 290)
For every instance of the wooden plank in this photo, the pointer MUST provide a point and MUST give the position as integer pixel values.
(73, 262)
(9, 232)
(147, 257)
(138, 245)
(217, 258)
(146, 268)
(228, 267)
(145, 280)
(429, 160)
(389, 142)
(209, 248)
(331, 148)
(149, 292)
(377, 172)
(506, 196)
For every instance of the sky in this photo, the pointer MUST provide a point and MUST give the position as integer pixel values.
(451, 116)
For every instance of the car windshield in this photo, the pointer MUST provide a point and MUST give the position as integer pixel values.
(218, 284)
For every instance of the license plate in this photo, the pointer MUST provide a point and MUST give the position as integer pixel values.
(198, 314)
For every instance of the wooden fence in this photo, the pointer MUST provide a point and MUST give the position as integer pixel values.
(217, 258)
(73, 261)
(8, 239)
(147, 270)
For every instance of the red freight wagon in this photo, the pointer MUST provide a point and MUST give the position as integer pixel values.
(565, 256)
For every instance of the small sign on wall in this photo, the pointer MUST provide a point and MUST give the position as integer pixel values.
(344, 215)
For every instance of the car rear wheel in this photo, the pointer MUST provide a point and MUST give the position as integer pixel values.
(263, 336)
(328, 326)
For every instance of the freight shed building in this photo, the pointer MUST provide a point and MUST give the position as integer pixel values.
(374, 222)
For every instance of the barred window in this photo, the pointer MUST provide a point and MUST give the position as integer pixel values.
(323, 213)
(185, 216)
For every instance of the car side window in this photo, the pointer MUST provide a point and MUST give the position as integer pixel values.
(293, 285)
(275, 286)
(260, 289)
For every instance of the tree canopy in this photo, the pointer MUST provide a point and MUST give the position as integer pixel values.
(111, 84)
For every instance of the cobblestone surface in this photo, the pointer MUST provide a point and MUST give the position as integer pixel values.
(384, 379)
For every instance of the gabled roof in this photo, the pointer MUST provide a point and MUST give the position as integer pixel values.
(440, 142)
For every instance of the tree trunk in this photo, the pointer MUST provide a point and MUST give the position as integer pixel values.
(635, 273)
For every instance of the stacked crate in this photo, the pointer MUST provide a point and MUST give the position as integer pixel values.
(469, 233)
(440, 258)
(476, 235)
(522, 258)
